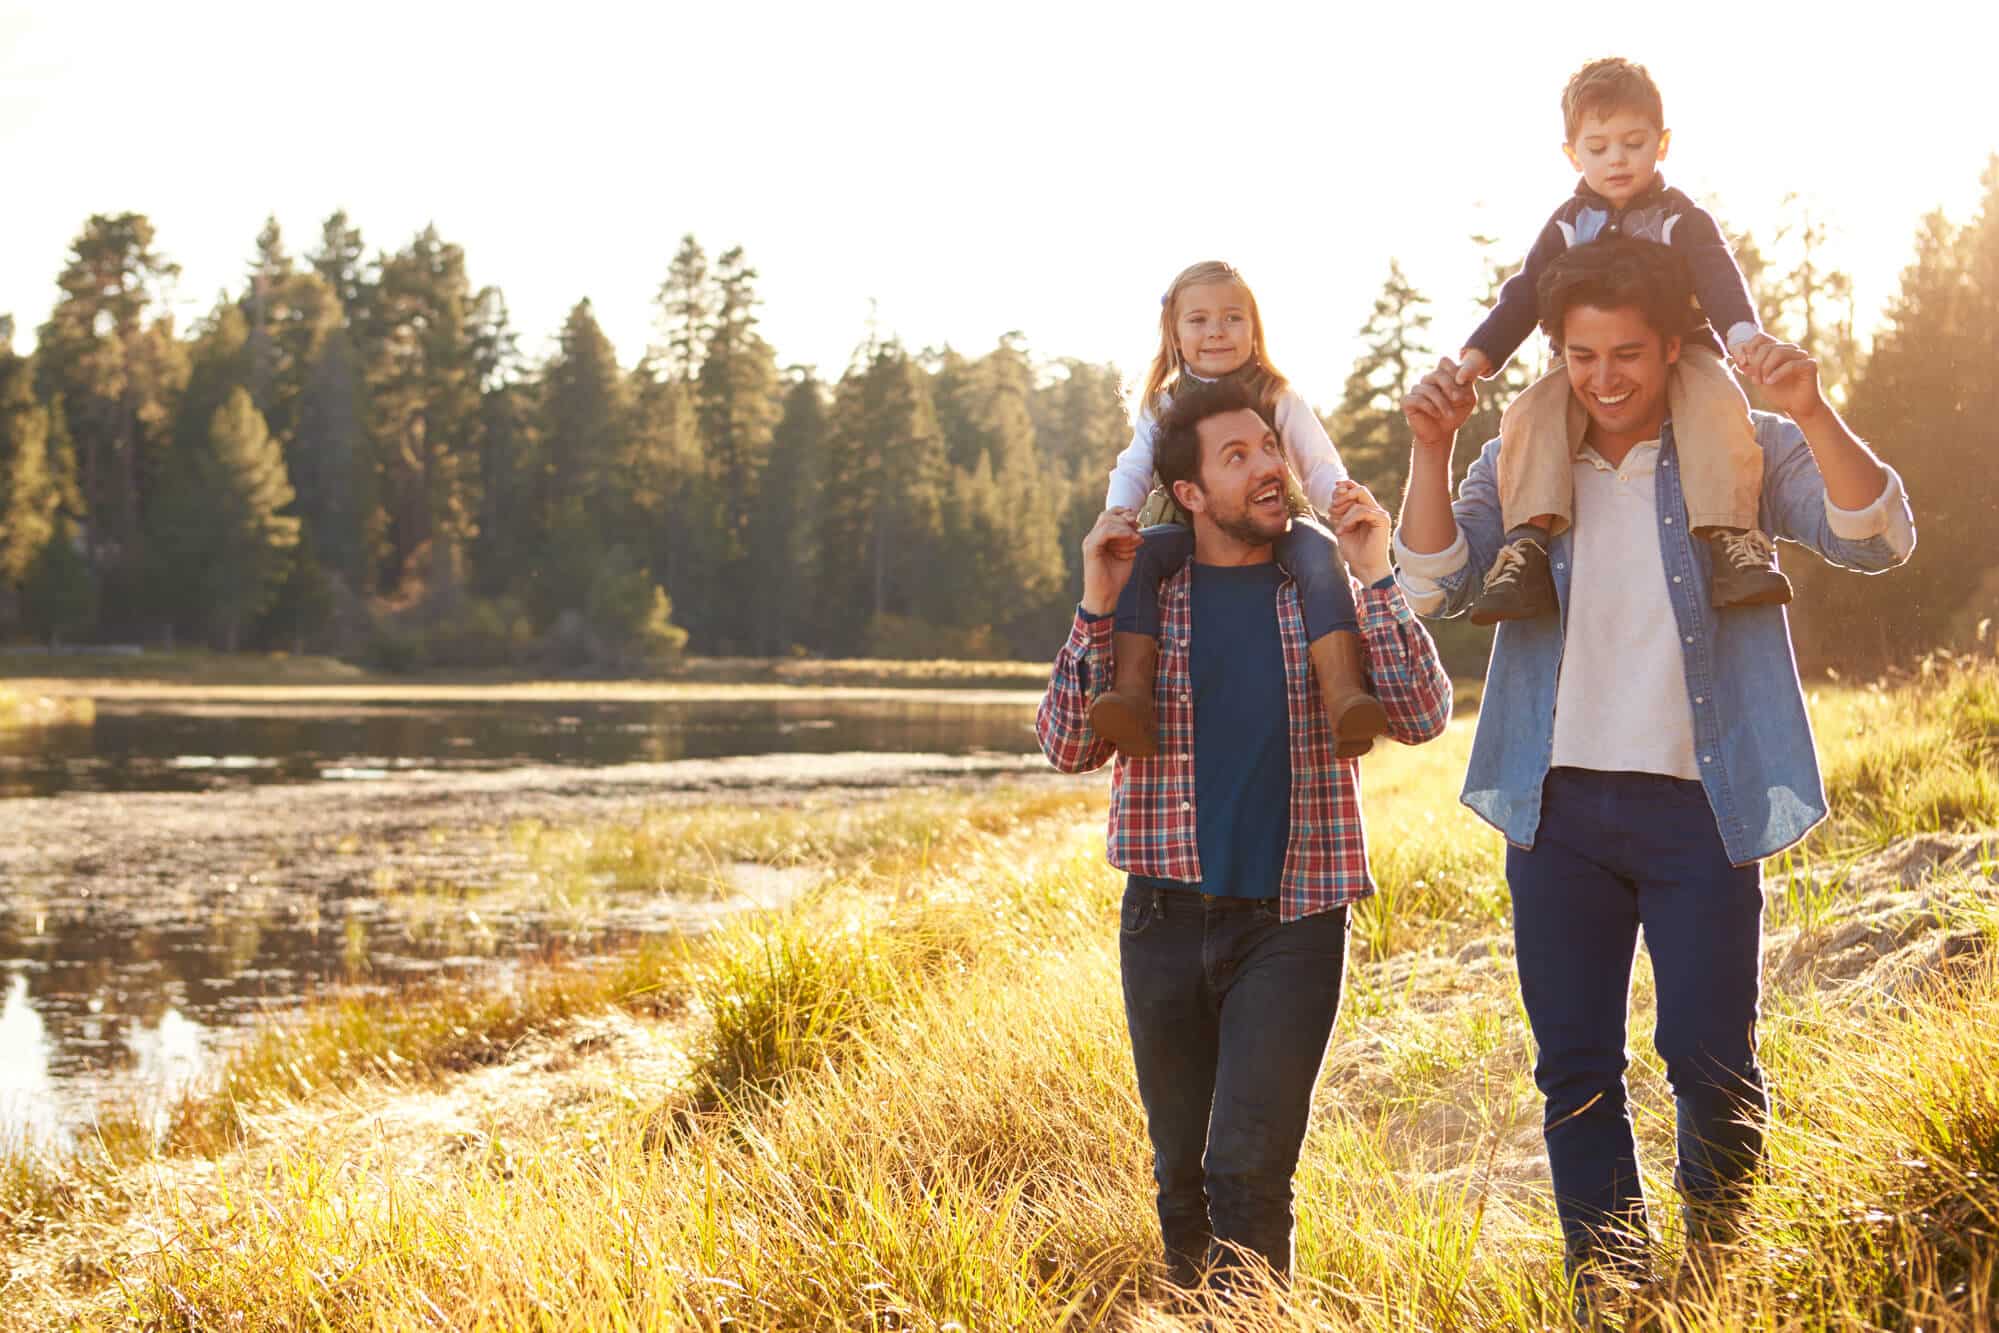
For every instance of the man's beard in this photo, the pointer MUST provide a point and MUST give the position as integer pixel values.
(1244, 529)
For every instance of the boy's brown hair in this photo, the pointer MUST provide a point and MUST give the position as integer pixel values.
(1607, 85)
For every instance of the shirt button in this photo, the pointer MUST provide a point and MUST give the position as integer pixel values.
(1707, 759)
(1560, 565)
(1676, 578)
(1186, 805)
(1185, 696)
(1690, 638)
(1669, 522)
(1699, 700)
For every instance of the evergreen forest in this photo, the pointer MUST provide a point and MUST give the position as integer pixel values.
(350, 455)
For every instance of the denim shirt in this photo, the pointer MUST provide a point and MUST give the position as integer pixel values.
(1752, 737)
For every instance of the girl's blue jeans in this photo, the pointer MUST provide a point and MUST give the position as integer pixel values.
(1309, 553)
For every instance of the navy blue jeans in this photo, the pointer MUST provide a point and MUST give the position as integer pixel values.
(1618, 853)
(1229, 1011)
(1309, 553)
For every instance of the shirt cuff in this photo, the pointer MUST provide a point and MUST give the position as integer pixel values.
(1383, 605)
(1090, 631)
(1887, 517)
(1435, 565)
(1870, 520)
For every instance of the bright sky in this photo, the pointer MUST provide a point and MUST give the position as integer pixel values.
(1042, 167)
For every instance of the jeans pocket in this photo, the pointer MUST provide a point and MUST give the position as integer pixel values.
(1138, 910)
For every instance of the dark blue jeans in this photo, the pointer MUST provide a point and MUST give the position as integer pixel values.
(1230, 1011)
(1309, 553)
(1618, 853)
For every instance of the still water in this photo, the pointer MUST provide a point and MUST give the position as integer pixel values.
(171, 894)
(201, 747)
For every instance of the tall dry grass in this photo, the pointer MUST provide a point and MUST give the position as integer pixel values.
(909, 1105)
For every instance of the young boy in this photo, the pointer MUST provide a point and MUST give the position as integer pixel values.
(1617, 136)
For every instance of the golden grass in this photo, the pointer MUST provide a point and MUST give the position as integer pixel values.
(908, 1105)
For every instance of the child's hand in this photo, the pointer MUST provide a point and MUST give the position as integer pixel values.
(1108, 552)
(1438, 405)
(1743, 350)
(1789, 376)
(1473, 365)
(1362, 527)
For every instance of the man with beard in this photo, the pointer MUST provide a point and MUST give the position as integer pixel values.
(1242, 837)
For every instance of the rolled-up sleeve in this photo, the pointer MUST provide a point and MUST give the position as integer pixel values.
(1402, 663)
(1888, 517)
(1797, 508)
(1426, 580)
(1082, 671)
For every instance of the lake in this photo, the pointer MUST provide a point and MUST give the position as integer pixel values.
(181, 870)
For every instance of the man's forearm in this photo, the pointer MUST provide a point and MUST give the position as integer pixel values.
(1854, 477)
(1428, 525)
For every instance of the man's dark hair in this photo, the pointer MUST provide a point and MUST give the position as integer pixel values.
(1176, 440)
(1617, 273)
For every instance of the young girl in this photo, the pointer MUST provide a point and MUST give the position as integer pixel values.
(1209, 330)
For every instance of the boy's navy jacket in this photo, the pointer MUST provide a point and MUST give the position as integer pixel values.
(1661, 214)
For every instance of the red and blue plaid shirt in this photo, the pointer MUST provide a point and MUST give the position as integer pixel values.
(1152, 800)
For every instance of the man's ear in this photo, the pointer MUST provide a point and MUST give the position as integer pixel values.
(1190, 495)
(1672, 351)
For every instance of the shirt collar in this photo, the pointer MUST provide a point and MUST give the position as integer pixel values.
(1643, 458)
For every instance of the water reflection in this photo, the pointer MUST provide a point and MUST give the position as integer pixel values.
(28, 1115)
(136, 747)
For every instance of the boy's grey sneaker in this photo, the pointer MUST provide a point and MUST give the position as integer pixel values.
(1519, 585)
(1745, 569)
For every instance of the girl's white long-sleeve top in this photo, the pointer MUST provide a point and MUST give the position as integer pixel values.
(1298, 427)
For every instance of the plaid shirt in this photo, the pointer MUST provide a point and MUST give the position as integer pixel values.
(1152, 800)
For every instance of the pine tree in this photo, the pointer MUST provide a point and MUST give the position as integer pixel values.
(28, 497)
(423, 379)
(583, 412)
(341, 261)
(686, 311)
(737, 403)
(783, 535)
(1372, 434)
(109, 351)
(59, 595)
(245, 490)
(332, 465)
(883, 494)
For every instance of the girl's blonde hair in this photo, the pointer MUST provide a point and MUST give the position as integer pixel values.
(1164, 377)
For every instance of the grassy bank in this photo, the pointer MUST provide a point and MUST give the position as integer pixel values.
(23, 709)
(905, 1101)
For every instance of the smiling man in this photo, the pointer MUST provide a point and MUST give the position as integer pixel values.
(1242, 836)
(1641, 751)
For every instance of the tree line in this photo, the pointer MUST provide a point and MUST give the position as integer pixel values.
(350, 455)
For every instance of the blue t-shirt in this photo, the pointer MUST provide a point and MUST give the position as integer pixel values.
(1242, 733)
